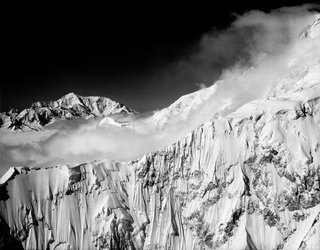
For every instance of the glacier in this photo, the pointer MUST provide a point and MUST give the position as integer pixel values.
(249, 179)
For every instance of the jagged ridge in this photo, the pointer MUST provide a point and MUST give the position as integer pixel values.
(70, 106)
(246, 181)
(261, 164)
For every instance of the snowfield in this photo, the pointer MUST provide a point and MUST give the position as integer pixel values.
(247, 179)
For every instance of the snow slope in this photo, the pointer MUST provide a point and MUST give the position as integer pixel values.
(248, 180)
(182, 107)
(261, 163)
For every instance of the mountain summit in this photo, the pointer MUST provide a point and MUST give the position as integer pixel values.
(249, 179)
(70, 106)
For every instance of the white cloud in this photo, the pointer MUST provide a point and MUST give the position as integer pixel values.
(258, 48)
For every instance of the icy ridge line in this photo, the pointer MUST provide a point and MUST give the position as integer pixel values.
(226, 185)
(261, 163)
(70, 106)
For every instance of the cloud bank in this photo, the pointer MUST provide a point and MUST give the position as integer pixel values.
(248, 60)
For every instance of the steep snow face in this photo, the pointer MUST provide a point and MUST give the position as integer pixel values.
(313, 30)
(227, 185)
(182, 108)
(248, 180)
(70, 106)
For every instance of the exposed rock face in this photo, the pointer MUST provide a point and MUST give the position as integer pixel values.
(250, 180)
(70, 106)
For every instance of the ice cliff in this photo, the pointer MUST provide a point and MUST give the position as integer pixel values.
(247, 180)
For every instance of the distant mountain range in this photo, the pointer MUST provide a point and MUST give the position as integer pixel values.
(246, 180)
(70, 106)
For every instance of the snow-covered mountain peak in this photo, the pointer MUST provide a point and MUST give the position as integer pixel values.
(246, 180)
(182, 107)
(224, 186)
(70, 106)
(69, 100)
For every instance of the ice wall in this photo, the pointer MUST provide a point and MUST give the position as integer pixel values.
(249, 180)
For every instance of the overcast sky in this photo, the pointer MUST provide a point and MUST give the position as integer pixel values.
(141, 56)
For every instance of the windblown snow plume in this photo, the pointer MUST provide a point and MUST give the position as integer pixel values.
(238, 165)
(261, 51)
